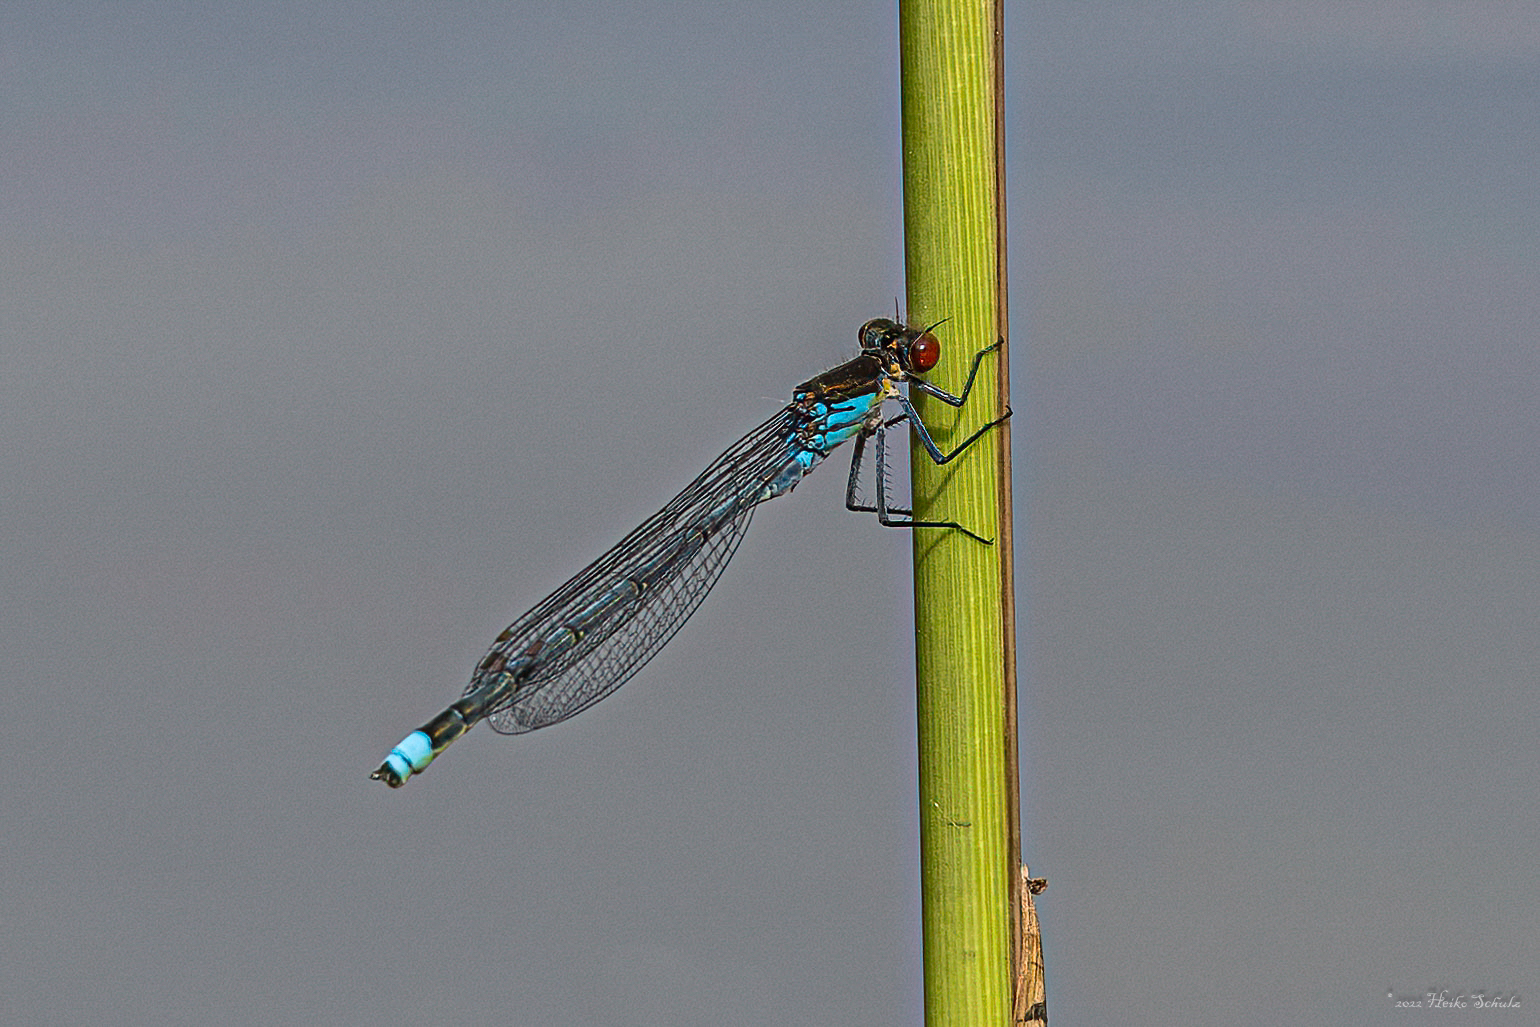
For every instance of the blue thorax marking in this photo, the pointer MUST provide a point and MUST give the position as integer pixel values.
(839, 422)
(832, 409)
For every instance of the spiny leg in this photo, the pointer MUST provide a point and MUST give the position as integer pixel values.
(853, 487)
(889, 516)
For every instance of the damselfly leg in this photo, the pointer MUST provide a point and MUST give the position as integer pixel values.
(902, 517)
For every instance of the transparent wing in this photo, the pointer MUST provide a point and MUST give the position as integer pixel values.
(589, 636)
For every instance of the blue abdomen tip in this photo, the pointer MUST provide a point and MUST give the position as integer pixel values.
(413, 755)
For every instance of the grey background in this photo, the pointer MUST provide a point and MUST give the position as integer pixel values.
(329, 342)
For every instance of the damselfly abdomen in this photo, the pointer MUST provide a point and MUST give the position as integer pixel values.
(590, 635)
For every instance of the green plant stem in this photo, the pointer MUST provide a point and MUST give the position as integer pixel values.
(964, 614)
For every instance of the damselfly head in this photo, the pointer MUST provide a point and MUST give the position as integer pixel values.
(914, 351)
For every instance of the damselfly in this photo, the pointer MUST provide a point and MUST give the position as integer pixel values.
(590, 635)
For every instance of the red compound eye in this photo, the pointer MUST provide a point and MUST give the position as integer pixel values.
(924, 353)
